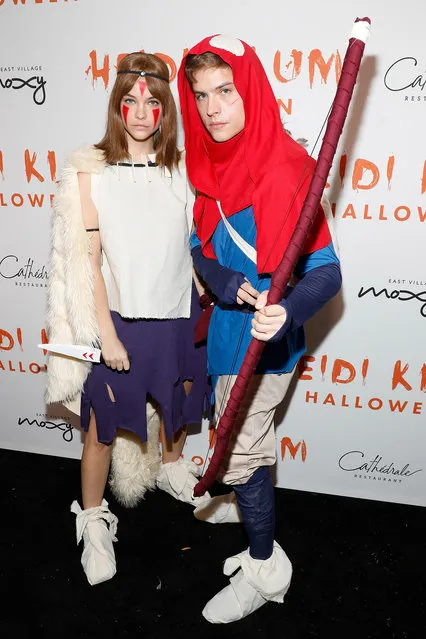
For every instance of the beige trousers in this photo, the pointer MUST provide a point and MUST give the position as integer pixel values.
(252, 442)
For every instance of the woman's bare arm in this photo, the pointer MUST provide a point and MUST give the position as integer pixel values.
(113, 351)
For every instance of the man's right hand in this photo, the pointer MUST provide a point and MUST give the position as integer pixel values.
(247, 294)
(114, 354)
(224, 282)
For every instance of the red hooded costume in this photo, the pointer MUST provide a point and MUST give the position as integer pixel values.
(262, 166)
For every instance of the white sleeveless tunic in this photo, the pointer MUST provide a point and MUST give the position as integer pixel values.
(145, 219)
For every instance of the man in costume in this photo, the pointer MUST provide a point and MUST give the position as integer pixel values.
(251, 179)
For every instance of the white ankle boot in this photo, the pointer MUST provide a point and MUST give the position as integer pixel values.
(256, 582)
(222, 509)
(97, 526)
(178, 479)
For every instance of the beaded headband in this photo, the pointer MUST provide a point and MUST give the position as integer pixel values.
(142, 74)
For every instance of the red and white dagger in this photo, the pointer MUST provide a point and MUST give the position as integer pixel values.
(85, 353)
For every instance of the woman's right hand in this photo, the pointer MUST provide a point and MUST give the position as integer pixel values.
(114, 354)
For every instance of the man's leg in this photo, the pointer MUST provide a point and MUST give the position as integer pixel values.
(257, 506)
(265, 571)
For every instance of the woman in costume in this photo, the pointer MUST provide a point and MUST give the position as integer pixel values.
(121, 276)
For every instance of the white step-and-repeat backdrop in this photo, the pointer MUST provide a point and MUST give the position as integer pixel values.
(356, 422)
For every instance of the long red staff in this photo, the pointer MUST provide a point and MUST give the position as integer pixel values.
(282, 274)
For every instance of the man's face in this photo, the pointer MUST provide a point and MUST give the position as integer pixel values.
(218, 102)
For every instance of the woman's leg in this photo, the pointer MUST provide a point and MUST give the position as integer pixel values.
(95, 464)
(95, 524)
(172, 448)
(177, 476)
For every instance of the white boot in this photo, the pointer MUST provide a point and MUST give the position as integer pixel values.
(222, 509)
(256, 582)
(98, 527)
(178, 479)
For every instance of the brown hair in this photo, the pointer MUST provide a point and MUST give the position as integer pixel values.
(114, 142)
(208, 60)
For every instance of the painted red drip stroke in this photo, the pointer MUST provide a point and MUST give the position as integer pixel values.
(212, 437)
(423, 378)
(44, 339)
(389, 170)
(365, 364)
(125, 112)
(51, 159)
(323, 366)
(19, 336)
(142, 87)
(156, 114)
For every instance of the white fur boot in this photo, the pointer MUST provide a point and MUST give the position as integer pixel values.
(97, 526)
(178, 479)
(255, 582)
(222, 509)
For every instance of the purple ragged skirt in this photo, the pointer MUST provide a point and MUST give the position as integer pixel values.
(163, 356)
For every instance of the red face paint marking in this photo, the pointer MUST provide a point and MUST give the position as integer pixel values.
(125, 112)
(142, 87)
(156, 114)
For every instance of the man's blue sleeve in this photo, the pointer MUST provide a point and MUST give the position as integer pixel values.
(194, 240)
(320, 280)
(223, 282)
(321, 257)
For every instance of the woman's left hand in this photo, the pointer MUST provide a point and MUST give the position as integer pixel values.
(267, 320)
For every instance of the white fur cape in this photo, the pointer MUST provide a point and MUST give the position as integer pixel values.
(70, 298)
(71, 319)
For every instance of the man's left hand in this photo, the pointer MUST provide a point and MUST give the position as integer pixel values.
(267, 320)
